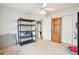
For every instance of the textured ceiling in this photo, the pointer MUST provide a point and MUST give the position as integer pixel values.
(31, 8)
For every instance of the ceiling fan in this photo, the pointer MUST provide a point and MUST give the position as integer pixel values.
(44, 8)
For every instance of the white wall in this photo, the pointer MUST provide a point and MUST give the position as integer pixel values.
(47, 22)
(46, 28)
(8, 25)
(8, 19)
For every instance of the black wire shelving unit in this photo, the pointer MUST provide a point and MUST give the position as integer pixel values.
(26, 31)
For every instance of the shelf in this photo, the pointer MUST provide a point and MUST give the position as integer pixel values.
(27, 31)
(26, 42)
(27, 36)
(25, 25)
(28, 20)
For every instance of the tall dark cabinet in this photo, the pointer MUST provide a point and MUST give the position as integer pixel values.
(26, 31)
(78, 33)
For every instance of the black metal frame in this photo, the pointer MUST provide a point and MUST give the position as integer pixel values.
(78, 33)
(20, 31)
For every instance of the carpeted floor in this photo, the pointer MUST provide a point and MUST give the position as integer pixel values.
(41, 47)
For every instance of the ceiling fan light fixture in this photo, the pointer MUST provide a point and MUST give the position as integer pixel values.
(50, 9)
(43, 12)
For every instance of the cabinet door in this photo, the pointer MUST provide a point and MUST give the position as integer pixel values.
(56, 30)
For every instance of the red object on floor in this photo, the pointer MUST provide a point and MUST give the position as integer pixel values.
(73, 48)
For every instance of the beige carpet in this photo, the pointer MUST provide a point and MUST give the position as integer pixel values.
(41, 47)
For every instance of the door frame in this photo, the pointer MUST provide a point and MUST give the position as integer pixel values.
(40, 28)
(52, 28)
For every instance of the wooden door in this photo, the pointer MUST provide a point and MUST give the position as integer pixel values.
(56, 30)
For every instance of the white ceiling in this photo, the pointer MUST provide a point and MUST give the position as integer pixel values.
(31, 8)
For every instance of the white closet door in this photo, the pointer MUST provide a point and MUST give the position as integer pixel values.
(74, 29)
(66, 30)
